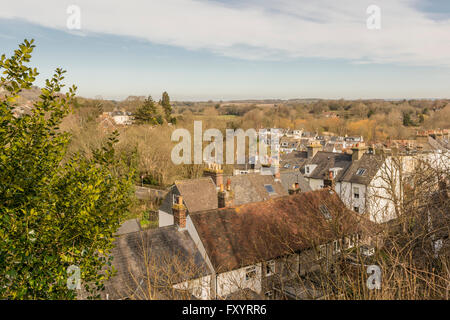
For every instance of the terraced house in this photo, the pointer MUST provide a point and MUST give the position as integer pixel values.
(262, 249)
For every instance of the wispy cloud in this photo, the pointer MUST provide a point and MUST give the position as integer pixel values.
(262, 29)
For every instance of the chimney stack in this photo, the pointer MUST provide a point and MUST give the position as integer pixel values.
(294, 189)
(225, 197)
(313, 148)
(215, 172)
(228, 184)
(179, 214)
(329, 182)
(358, 151)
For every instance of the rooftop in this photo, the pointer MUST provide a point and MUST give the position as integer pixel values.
(243, 235)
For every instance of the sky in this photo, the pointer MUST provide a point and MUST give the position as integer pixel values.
(246, 49)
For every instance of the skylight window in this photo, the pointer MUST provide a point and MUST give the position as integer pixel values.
(325, 212)
(360, 171)
(269, 189)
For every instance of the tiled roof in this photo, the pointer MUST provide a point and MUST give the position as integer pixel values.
(327, 160)
(250, 188)
(129, 226)
(295, 158)
(370, 164)
(288, 178)
(198, 194)
(165, 255)
(243, 235)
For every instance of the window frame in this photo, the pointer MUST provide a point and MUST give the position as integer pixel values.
(356, 193)
(351, 241)
(250, 273)
(336, 247)
(270, 268)
(321, 251)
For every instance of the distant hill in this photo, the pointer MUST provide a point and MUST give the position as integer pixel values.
(134, 98)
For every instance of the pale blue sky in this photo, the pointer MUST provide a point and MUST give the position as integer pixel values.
(240, 49)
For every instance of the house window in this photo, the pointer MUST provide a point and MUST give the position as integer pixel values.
(360, 171)
(357, 238)
(356, 192)
(356, 209)
(336, 247)
(270, 268)
(351, 241)
(250, 273)
(269, 189)
(322, 252)
(437, 246)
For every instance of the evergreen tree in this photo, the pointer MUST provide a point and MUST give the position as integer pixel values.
(147, 113)
(165, 103)
(56, 217)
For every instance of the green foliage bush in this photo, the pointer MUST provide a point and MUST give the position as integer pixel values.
(53, 213)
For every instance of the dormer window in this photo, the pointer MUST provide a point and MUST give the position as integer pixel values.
(360, 171)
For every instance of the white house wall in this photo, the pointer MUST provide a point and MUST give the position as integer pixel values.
(233, 281)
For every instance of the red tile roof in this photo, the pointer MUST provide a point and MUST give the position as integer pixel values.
(243, 235)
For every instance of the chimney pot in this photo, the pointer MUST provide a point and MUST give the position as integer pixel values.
(215, 172)
(228, 184)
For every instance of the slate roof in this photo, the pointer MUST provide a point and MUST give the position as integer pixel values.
(288, 178)
(295, 158)
(238, 236)
(198, 194)
(170, 255)
(370, 163)
(129, 226)
(250, 188)
(201, 194)
(327, 160)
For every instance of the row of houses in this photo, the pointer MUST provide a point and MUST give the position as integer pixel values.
(244, 236)
(117, 117)
(253, 235)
